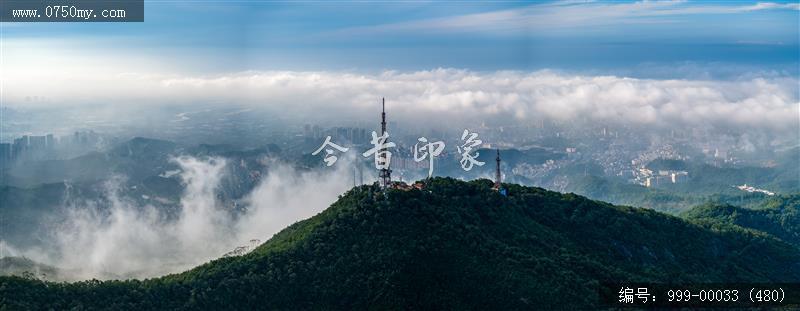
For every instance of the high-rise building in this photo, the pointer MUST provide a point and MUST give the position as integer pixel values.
(50, 141)
(317, 131)
(362, 136)
(5, 152)
(37, 142)
(20, 146)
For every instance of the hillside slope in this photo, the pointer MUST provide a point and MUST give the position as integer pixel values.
(454, 245)
(779, 217)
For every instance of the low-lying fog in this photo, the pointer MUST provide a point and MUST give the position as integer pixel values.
(125, 240)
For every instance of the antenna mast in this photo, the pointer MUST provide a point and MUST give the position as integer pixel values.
(386, 173)
(497, 175)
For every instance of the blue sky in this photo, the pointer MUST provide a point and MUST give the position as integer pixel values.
(627, 37)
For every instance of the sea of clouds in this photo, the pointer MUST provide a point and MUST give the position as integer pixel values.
(767, 102)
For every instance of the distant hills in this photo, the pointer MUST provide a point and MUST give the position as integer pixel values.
(34, 193)
(456, 245)
(779, 217)
(137, 158)
(28, 268)
(706, 179)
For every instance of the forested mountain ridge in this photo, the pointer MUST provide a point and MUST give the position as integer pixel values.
(779, 216)
(453, 245)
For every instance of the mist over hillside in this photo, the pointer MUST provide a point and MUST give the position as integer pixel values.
(124, 234)
(349, 155)
(427, 248)
(146, 207)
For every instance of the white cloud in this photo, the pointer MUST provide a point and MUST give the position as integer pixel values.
(567, 14)
(753, 101)
(771, 6)
(123, 239)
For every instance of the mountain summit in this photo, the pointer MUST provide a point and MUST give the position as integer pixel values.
(451, 245)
